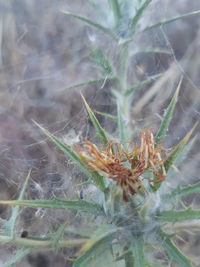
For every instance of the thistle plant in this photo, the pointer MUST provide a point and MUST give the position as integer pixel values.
(134, 212)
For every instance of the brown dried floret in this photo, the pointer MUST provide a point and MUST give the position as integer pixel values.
(148, 155)
(111, 160)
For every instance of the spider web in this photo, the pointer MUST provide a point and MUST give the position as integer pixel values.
(43, 51)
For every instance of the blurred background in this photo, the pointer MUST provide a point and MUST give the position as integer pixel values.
(42, 52)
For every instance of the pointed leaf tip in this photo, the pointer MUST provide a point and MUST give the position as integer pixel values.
(99, 130)
(175, 152)
(174, 254)
(168, 115)
(93, 24)
(95, 176)
(139, 13)
(55, 203)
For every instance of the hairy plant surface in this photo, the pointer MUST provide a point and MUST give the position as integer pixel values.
(129, 209)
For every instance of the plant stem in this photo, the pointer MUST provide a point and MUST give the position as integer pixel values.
(123, 102)
(129, 259)
(40, 243)
(123, 58)
(138, 251)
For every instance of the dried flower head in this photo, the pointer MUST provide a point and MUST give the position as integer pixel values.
(113, 159)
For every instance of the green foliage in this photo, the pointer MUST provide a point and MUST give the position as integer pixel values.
(178, 149)
(120, 232)
(11, 223)
(102, 62)
(164, 22)
(139, 14)
(94, 176)
(179, 192)
(176, 152)
(121, 125)
(179, 215)
(41, 243)
(94, 24)
(129, 259)
(116, 10)
(99, 130)
(181, 157)
(78, 205)
(98, 243)
(18, 256)
(106, 115)
(58, 235)
(101, 80)
(139, 85)
(151, 51)
(138, 251)
(167, 116)
(172, 251)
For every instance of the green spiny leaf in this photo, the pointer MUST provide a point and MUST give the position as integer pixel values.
(11, 223)
(116, 10)
(58, 234)
(182, 191)
(139, 85)
(175, 153)
(139, 13)
(172, 251)
(97, 178)
(92, 23)
(179, 215)
(55, 203)
(182, 155)
(178, 149)
(102, 61)
(17, 257)
(161, 23)
(167, 116)
(107, 115)
(103, 80)
(99, 130)
(98, 243)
